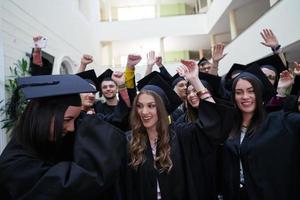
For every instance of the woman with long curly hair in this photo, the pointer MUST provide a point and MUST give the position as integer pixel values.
(158, 152)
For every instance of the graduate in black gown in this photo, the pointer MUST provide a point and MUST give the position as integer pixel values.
(261, 155)
(45, 159)
(159, 154)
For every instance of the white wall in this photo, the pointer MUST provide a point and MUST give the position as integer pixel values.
(3, 135)
(70, 32)
(283, 19)
(149, 28)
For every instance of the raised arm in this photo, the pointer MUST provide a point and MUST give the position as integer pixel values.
(217, 55)
(85, 60)
(190, 71)
(270, 40)
(150, 62)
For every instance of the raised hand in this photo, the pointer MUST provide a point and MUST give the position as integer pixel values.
(86, 59)
(37, 38)
(190, 69)
(269, 38)
(218, 52)
(151, 58)
(297, 69)
(133, 60)
(118, 77)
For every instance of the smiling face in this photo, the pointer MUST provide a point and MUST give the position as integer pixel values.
(109, 89)
(245, 97)
(147, 110)
(192, 97)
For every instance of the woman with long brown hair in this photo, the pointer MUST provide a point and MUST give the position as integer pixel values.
(158, 153)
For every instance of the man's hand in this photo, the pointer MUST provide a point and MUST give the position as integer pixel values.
(86, 59)
(118, 77)
(133, 60)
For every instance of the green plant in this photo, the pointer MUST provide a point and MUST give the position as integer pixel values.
(19, 69)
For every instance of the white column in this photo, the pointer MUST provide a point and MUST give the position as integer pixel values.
(208, 3)
(162, 48)
(212, 40)
(232, 22)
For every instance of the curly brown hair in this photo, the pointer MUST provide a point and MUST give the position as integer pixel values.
(138, 142)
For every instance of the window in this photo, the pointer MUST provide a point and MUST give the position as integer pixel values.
(136, 12)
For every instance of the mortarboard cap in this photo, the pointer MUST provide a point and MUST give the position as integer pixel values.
(202, 61)
(271, 61)
(214, 82)
(91, 77)
(156, 83)
(176, 79)
(106, 75)
(52, 85)
(268, 89)
(234, 69)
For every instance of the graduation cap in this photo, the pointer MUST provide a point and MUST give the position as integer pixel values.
(90, 76)
(268, 89)
(202, 61)
(156, 83)
(64, 89)
(235, 69)
(175, 79)
(214, 82)
(106, 75)
(52, 85)
(272, 62)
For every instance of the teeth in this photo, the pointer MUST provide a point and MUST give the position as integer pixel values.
(246, 103)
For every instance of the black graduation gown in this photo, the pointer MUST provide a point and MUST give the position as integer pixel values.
(199, 143)
(270, 159)
(103, 108)
(91, 174)
(141, 184)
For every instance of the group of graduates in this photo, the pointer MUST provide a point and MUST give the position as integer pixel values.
(191, 136)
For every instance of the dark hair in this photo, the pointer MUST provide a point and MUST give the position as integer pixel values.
(192, 113)
(33, 128)
(259, 113)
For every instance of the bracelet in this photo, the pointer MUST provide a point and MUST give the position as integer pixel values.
(276, 48)
(206, 97)
(122, 86)
(202, 92)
